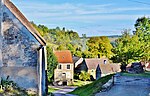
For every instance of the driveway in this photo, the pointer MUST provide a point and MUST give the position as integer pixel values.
(129, 86)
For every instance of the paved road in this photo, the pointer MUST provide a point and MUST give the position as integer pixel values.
(129, 86)
(64, 90)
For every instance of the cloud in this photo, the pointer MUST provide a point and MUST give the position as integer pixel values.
(76, 15)
(68, 11)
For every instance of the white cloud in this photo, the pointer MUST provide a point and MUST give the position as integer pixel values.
(77, 14)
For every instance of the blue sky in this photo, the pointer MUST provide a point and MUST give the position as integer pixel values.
(90, 17)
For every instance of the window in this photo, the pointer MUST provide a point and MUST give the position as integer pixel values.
(59, 66)
(68, 66)
(105, 62)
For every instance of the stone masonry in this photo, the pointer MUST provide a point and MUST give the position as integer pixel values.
(19, 55)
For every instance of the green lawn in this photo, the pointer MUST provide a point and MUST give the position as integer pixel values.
(50, 89)
(92, 88)
(145, 74)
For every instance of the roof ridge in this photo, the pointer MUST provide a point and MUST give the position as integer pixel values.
(24, 21)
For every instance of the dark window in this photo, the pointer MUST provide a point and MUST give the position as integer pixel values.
(68, 66)
(105, 61)
(59, 66)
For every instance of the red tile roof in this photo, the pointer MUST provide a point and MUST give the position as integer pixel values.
(64, 56)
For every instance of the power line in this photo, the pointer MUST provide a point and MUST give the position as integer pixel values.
(139, 2)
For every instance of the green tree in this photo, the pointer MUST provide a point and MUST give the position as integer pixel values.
(99, 46)
(51, 63)
(142, 27)
(124, 48)
(134, 47)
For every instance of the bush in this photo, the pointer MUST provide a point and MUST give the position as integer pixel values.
(84, 76)
(9, 88)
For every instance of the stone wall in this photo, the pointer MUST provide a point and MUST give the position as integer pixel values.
(69, 72)
(0, 34)
(18, 46)
(18, 51)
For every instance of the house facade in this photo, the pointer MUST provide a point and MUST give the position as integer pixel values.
(65, 70)
(22, 50)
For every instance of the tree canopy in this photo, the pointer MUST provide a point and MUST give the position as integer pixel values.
(134, 47)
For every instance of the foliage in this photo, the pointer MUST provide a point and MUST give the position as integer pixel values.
(134, 47)
(84, 76)
(99, 46)
(92, 88)
(51, 63)
(142, 27)
(8, 87)
(80, 83)
(60, 39)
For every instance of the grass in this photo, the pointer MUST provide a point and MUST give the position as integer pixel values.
(50, 89)
(145, 74)
(80, 83)
(92, 88)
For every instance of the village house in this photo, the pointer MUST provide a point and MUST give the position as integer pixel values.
(65, 70)
(22, 50)
(96, 67)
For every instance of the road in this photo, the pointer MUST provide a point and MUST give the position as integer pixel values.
(64, 90)
(129, 86)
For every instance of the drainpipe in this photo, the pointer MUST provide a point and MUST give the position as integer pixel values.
(43, 88)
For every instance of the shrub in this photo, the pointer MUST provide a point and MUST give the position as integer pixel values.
(84, 76)
(9, 88)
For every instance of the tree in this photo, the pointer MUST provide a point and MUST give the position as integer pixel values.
(134, 47)
(142, 27)
(51, 63)
(99, 46)
(126, 48)
(84, 76)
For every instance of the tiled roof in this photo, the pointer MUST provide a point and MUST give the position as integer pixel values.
(106, 68)
(63, 56)
(115, 67)
(92, 63)
(24, 21)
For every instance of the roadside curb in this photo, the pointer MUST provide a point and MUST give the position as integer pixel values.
(107, 86)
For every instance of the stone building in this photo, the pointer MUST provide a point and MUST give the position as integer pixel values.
(22, 50)
(96, 67)
(65, 69)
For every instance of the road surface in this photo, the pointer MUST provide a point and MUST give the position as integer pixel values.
(128, 86)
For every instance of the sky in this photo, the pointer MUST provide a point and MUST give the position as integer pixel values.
(90, 17)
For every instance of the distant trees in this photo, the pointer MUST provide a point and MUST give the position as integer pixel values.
(128, 48)
(99, 46)
(134, 47)
(60, 39)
